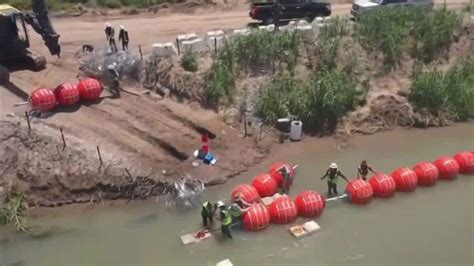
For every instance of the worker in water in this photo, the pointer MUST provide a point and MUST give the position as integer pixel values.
(110, 36)
(207, 213)
(237, 213)
(363, 170)
(123, 37)
(332, 174)
(287, 180)
(226, 219)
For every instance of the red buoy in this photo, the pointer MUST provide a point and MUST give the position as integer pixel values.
(248, 192)
(448, 167)
(283, 210)
(405, 179)
(89, 89)
(359, 191)
(383, 185)
(427, 173)
(275, 172)
(310, 204)
(256, 218)
(43, 99)
(465, 160)
(265, 185)
(67, 94)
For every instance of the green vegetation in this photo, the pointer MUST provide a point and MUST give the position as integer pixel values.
(319, 102)
(189, 62)
(260, 50)
(452, 90)
(14, 211)
(329, 42)
(396, 30)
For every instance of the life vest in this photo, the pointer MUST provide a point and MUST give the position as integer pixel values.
(226, 219)
(207, 208)
(235, 211)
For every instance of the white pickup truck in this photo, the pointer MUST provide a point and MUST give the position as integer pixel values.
(360, 7)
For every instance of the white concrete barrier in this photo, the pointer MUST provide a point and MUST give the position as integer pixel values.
(239, 32)
(215, 33)
(267, 27)
(194, 46)
(186, 37)
(215, 42)
(305, 31)
(164, 49)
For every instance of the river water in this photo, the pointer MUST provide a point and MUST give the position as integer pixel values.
(431, 226)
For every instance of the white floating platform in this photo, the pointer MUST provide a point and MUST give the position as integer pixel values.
(225, 262)
(194, 237)
(306, 229)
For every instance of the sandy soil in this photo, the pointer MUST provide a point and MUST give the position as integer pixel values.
(142, 133)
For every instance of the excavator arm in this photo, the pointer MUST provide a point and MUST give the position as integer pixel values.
(40, 22)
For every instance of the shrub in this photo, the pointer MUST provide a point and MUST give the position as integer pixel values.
(220, 84)
(109, 3)
(319, 102)
(453, 90)
(13, 212)
(189, 62)
(329, 42)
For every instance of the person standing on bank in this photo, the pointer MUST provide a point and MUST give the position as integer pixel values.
(277, 10)
(123, 37)
(110, 35)
(333, 173)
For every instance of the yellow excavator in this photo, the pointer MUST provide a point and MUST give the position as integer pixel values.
(14, 38)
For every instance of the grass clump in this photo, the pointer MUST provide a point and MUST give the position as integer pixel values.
(396, 30)
(189, 62)
(452, 90)
(13, 212)
(329, 42)
(319, 102)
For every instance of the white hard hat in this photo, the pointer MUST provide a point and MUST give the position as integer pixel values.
(220, 204)
(107, 24)
(333, 166)
(122, 27)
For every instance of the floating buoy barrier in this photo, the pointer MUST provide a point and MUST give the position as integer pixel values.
(359, 191)
(448, 167)
(275, 172)
(309, 204)
(89, 89)
(248, 192)
(42, 99)
(265, 185)
(465, 160)
(256, 218)
(405, 179)
(427, 173)
(66, 94)
(383, 185)
(283, 210)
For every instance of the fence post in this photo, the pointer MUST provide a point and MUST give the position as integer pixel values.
(177, 46)
(100, 156)
(62, 137)
(141, 53)
(28, 121)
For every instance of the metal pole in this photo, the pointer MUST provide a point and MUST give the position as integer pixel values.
(177, 46)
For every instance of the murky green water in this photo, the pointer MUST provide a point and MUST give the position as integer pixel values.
(431, 226)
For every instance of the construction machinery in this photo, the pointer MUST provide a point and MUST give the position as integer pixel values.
(15, 41)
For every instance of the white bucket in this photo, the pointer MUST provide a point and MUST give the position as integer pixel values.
(296, 130)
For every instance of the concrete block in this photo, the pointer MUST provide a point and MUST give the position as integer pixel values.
(194, 46)
(186, 37)
(241, 32)
(215, 41)
(267, 28)
(215, 33)
(306, 31)
(164, 49)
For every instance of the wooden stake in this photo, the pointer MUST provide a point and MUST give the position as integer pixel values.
(177, 46)
(140, 50)
(215, 45)
(28, 121)
(245, 125)
(129, 175)
(100, 156)
(62, 136)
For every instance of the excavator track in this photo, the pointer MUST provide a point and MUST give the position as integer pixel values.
(36, 62)
(4, 75)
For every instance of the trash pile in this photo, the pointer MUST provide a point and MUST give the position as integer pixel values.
(186, 193)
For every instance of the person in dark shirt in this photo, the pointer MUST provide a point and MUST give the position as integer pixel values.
(333, 173)
(363, 170)
(123, 37)
(110, 36)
